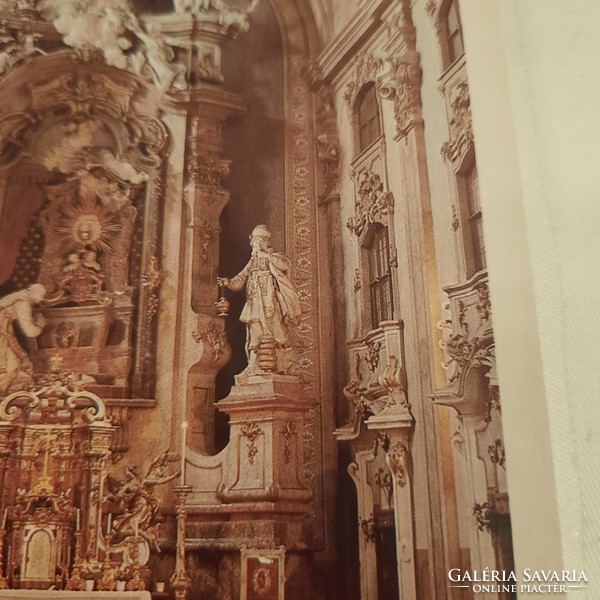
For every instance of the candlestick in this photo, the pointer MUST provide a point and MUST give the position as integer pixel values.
(184, 427)
(180, 581)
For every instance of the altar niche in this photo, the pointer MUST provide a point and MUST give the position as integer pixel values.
(87, 214)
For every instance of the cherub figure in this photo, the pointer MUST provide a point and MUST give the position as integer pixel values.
(133, 503)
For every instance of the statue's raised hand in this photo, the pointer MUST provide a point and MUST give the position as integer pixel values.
(223, 281)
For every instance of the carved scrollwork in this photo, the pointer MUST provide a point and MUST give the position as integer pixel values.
(82, 95)
(53, 393)
(17, 47)
(252, 431)
(93, 409)
(208, 234)
(461, 127)
(372, 204)
(372, 356)
(398, 460)
(328, 155)
(361, 407)
(366, 67)
(406, 77)
(151, 280)
(492, 403)
(393, 379)
(466, 353)
(234, 20)
(12, 406)
(288, 431)
(213, 336)
(483, 516)
(208, 171)
(455, 222)
(367, 527)
(483, 304)
(496, 452)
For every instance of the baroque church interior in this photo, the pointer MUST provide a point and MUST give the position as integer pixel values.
(246, 343)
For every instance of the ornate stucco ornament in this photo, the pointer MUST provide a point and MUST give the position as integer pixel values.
(372, 202)
(366, 68)
(113, 33)
(461, 127)
(405, 77)
(234, 19)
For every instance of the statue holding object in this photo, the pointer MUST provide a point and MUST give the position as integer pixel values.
(272, 306)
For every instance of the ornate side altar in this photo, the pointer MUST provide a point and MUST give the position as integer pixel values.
(54, 448)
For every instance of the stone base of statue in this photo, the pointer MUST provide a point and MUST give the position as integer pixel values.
(263, 501)
(265, 456)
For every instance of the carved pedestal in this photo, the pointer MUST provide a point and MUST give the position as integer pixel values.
(262, 499)
(265, 458)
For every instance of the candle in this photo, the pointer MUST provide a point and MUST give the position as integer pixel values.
(184, 427)
(108, 523)
(77, 524)
(4, 517)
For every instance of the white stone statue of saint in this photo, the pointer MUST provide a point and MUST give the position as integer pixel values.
(16, 370)
(272, 305)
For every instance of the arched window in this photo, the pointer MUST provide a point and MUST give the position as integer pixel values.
(453, 31)
(367, 117)
(471, 220)
(380, 276)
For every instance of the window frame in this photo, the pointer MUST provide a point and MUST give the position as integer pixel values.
(471, 218)
(364, 93)
(376, 249)
(446, 36)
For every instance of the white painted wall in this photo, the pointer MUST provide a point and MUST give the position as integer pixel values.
(533, 71)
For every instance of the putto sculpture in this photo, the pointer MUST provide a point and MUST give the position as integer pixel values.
(272, 306)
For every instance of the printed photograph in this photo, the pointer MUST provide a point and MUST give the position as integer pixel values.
(247, 329)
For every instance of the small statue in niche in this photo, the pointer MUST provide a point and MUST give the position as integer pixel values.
(16, 369)
(272, 305)
(88, 261)
(72, 262)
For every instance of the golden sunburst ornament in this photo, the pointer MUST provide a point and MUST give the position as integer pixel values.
(88, 225)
